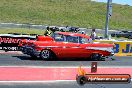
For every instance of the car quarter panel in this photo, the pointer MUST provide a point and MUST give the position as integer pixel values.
(104, 49)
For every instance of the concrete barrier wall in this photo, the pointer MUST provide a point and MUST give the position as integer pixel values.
(105, 41)
(123, 48)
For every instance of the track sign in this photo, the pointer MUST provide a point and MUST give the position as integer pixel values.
(93, 67)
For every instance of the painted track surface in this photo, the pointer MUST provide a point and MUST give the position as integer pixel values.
(48, 74)
(23, 60)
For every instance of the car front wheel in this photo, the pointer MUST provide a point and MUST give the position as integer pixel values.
(96, 57)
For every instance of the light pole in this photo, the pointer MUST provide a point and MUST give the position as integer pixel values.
(108, 14)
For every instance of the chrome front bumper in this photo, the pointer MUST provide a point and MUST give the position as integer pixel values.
(112, 54)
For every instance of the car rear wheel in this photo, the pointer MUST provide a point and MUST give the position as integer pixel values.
(96, 57)
(46, 55)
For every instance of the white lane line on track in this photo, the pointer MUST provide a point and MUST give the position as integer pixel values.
(65, 66)
(44, 81)
(11, 52)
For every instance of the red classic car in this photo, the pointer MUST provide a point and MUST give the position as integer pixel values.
(66, 45)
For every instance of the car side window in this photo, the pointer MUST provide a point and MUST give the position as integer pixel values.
(73, 39)
(83, 40)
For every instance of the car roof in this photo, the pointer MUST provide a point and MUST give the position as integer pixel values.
(74, 34)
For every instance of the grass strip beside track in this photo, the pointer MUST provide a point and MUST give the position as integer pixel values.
(82, 13)
(22, 31)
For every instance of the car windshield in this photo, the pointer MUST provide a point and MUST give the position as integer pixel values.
(67, 38)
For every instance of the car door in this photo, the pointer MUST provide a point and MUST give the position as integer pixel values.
(70, 50)
(70, 47)
(67, 50)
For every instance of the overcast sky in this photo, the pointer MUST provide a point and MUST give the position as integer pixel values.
(129, 2)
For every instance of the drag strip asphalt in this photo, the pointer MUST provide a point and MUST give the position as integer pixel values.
(24, 60)
(62, 84)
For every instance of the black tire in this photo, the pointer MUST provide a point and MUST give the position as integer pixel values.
(129, 37)
(112, 35)
(61, 30)
(33, 56)
(96, 57)
(81, 80)
(46, 55)
(6, 50)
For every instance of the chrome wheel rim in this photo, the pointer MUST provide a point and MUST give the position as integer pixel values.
(45, 54)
